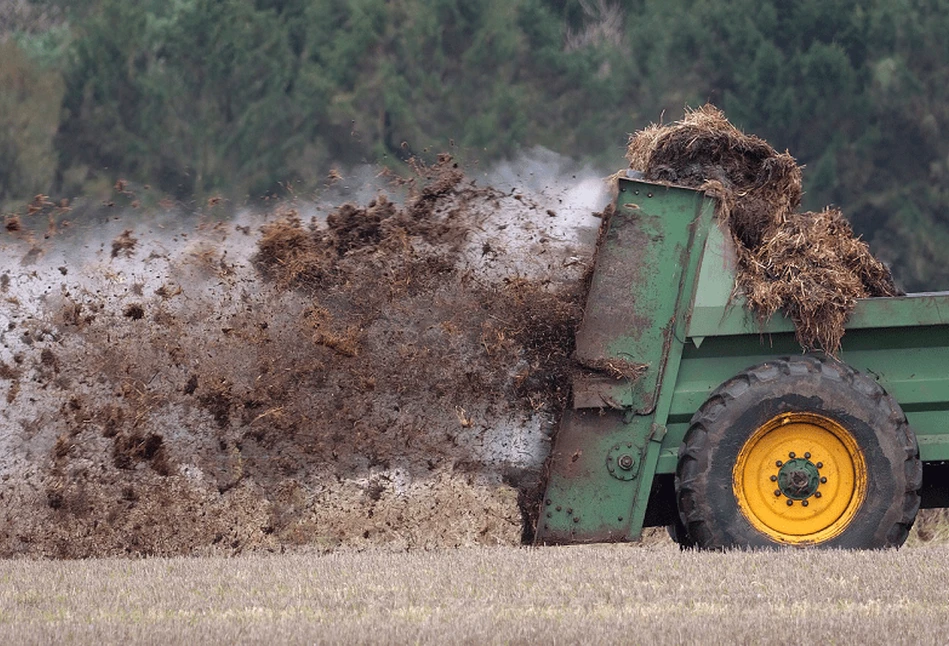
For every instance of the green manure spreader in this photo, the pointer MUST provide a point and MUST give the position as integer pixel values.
(697, 416)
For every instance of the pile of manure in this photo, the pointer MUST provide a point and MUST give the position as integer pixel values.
(810, 266)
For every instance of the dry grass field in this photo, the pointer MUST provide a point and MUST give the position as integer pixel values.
(629, 594)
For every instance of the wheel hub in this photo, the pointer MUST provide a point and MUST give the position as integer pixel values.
(800, 478)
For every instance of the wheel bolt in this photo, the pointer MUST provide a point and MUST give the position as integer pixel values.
(790, 502)
(823, 480)
(777, 492)
(804, 502)
(791, 455)
(807, 456)
(778, 463)
(774, 478)
(819, 465)
(817, 494)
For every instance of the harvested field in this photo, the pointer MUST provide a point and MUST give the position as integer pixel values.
(326, 374)
(809, 266)
(599, 594)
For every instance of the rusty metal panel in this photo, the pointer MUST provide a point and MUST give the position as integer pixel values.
(631, 306)
(607, 447)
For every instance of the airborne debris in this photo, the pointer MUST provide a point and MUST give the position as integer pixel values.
(368, 377)
(124, 244)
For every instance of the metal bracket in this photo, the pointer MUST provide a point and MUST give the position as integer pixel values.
(657, 432)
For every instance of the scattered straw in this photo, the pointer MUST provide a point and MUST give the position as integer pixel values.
(808, 265)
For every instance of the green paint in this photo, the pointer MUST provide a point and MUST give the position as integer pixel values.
(638, 304)
(661, 296)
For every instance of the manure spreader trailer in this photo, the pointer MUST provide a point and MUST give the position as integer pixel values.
(726, 432)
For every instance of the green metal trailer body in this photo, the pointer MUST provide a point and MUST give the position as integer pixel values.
(661, 300)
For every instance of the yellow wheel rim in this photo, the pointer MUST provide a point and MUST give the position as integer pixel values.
(800, 478)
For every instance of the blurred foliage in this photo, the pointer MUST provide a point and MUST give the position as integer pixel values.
(255, 97)
(29, 117)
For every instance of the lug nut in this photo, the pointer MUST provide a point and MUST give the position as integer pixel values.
(777, 492)
(774, 478)
(817, 494)
(819, 465)
(790, 502)
(807, 456)
(804, 502)
(778, 463)
(791, 455)
(823, 480)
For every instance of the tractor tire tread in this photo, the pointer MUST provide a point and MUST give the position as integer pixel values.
(694, 516)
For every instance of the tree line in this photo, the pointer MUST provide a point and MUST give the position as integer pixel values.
(249, 98)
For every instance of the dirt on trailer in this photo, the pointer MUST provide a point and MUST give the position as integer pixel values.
(810, 266)
(384, 372)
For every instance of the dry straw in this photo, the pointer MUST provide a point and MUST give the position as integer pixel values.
(808, 265)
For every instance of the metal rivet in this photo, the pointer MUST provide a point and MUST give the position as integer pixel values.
(548, 501)
(790, 502)
(777, 492)
(576, 519)
(820, 465)
(823, 480)
(774, 478)
(804, 502)
(778, 463)
(569, 511)
(558, 507)
(807, 456)
(649, 194)
(791, 455)
(549, 515)
(619, 519)
(629, 445)
(817, 494)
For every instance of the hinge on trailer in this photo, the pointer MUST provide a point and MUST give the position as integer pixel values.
(657, 432)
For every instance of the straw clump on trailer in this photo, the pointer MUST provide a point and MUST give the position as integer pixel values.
(810, 266)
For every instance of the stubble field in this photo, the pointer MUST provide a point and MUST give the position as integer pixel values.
(651, 594)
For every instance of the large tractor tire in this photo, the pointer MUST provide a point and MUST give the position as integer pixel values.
(799, 451)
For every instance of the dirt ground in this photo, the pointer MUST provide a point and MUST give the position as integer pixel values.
(180, 381)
